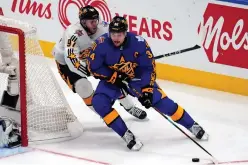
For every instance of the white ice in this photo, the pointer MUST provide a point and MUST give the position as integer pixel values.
(223, 115)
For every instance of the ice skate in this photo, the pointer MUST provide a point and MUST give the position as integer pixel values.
(132, 143)
(199, 132)
(137, 112)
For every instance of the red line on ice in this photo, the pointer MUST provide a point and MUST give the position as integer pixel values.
(71, 156)
(232, 162)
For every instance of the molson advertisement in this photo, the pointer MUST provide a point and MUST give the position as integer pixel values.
(220, 63)
(226, 39)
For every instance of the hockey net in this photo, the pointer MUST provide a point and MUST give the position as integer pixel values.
(44, 110)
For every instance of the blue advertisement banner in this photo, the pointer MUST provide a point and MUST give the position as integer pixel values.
(242, 2)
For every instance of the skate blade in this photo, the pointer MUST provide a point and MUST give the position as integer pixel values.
(205, 137)
(137, 146)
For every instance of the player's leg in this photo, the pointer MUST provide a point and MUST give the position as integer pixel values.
(84, 89)
(9, 65)
(167, 106)
(129, 106)
(178, 114)
(78, 84)
(102, 103)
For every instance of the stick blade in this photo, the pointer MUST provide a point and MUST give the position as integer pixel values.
(197, 46)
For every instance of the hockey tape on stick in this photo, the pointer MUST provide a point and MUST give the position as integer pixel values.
(214, 160)
(177, 52)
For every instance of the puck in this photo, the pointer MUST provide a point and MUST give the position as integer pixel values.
(195, 160)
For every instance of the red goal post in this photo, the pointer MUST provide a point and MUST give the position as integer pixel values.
(21, 45)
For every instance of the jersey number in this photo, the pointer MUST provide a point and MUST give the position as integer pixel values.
(92, 56)
(70, 43)
(148, 52)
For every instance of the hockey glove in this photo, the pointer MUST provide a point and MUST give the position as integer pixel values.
(147, 97)
(118, 79)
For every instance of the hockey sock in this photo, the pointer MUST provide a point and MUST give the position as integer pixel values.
(114, 121)
(126, 102)
(176, 112)
(103, 106)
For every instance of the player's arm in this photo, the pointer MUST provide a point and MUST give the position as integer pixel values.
(72, 55)
(96, 62)
(8, 62)
(147, 66)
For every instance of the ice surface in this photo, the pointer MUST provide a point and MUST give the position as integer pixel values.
(223, 115)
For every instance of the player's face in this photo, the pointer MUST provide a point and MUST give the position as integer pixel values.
(92, 25)
(118, 38)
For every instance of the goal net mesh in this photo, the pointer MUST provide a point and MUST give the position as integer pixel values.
(48, 115)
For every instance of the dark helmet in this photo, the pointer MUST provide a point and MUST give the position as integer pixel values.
(118, 24)
(88, 12)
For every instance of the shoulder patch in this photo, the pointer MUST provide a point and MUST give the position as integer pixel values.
(79, 32)
(140, 38)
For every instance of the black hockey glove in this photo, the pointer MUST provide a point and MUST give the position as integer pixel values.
(118, 79)
(147, 97)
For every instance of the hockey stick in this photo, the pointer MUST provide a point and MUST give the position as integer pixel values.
(163, 115)
(177, 52)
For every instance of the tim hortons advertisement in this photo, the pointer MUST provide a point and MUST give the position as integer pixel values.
(152, 28)
(32, 7)
(171, 29)
(226, 35)
(62, 11)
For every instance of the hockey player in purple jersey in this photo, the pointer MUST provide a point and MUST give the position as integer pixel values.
(120, 56)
